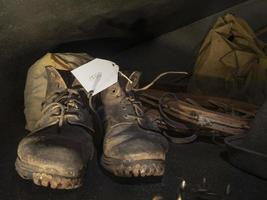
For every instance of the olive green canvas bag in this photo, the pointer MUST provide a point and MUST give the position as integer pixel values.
(231, 63)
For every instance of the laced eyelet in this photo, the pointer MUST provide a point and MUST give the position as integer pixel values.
(58, 106)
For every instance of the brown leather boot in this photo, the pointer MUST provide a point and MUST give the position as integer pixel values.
(129, 149)
(57, 152)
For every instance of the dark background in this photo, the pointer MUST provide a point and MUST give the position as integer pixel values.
(151, 36)
(30, 28)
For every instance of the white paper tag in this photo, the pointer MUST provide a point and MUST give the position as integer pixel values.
(97, 75)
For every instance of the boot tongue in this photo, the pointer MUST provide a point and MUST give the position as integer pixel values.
(58, 80)
(134, 77)
(121, 89)
(67, 77)
(129, 80)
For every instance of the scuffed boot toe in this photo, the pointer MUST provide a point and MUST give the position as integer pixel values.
(135, 154)
(52, 160)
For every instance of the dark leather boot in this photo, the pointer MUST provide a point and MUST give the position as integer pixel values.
(57, 152)
(129, 149)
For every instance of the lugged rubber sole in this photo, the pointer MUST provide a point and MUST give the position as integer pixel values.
(41, 178)
(134, 168)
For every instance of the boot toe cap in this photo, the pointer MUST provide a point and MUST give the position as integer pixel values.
(136, 144)
(54, 154)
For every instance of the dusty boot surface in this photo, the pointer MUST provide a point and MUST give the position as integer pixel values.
(56, 154)
(129, 150)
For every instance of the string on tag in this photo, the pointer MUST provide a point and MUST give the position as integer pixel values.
(152, 82)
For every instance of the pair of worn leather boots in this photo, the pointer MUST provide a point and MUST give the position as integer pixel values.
(56, 153)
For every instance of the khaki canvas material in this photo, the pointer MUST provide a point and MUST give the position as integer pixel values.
(36, 83)
(231, 63)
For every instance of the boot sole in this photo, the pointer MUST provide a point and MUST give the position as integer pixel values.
(134, 168)
(41, 178)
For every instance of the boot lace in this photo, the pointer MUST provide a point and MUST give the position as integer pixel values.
(59, 107)
(137, 106)
(140, 114)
